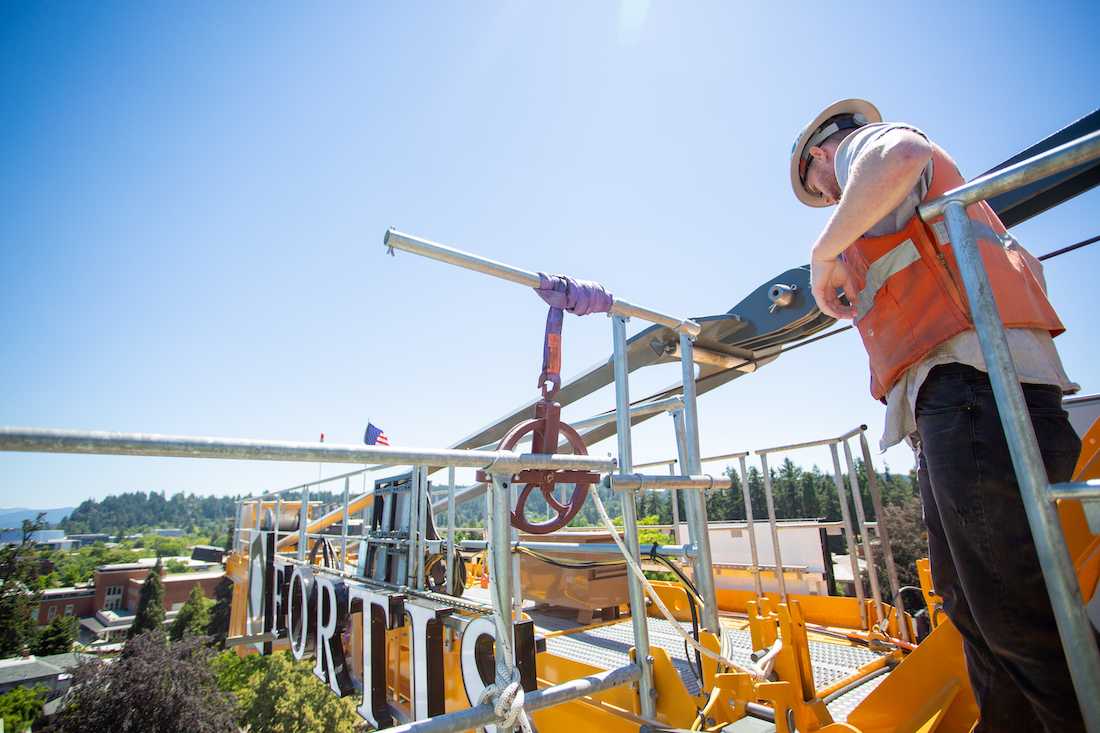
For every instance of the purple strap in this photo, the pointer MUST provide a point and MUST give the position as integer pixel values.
(562, 293)
(579, 297)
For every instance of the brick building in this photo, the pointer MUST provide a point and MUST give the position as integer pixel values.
(111, 582)
(76, 601)
(177, 587)
(106, 605)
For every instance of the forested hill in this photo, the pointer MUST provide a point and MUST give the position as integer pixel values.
(132, 512)
(139, 511)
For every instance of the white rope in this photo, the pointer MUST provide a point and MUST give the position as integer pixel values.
(507, 702)
(763, 667)
(652, 593)
(508, 698)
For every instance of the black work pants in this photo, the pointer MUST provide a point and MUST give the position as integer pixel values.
(983, 558)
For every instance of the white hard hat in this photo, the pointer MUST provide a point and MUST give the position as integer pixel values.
(836, 117)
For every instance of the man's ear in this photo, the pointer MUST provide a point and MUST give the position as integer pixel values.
(818, 153)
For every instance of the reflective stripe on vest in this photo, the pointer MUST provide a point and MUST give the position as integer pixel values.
(923, 304)
(881, 270)
(906, 254)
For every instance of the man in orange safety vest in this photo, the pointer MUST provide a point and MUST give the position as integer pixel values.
(904, 294)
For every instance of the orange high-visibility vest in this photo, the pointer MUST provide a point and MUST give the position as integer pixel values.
(911, 295)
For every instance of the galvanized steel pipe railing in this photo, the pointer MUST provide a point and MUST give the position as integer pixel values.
(443, 253)
(687, 445)
(303, 525)
(850, 534)
(646, 482)
(884, 536)
(450, 529)
(1070, 155)
(759, 585)
(704, 459)
(38, 440)
(773, 525)
(484, 714)
(695, 505)
(811, 443)
(646, 408)
(1083, 490)
(675, 499)
(647, 691)
(586, 548)
(1074, 627)
(500, 578)
(868, 555)
(316, 482)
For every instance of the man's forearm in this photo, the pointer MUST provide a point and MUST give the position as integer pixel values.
(881, 179)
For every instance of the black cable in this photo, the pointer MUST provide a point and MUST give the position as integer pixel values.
(1070, 248)
(820, 337)
(654, 557)
(571, 564)
(691, 595)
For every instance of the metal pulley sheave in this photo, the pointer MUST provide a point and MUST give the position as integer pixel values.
(546, 429)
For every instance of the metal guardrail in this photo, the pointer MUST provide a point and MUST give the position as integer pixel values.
(1074, 627)
(443, 253)
(1054, 161)
(643, 482)
(687, 434)
(1038, 495)
(38, 440)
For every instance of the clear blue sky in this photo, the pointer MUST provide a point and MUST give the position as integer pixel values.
(193, 200)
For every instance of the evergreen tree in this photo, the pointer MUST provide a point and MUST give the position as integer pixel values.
(218, 626)
(150, 610)
(737, 495)
(19, 592)
(58, 637)
(789, 498)
(194, 617)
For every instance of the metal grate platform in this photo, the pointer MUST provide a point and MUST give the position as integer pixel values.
(609, 646)
(843, 706)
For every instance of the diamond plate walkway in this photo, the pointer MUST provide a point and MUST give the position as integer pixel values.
(609, 646)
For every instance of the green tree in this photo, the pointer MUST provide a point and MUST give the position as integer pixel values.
(57, 638)
(152, 686)
(21, 707)
(650, 536)
(275, 694)
(176, 566)
(19, 592)
(150, 610)
(908, 540)
(217, 628)
(194, 617)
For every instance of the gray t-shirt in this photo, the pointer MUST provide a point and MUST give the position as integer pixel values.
(855, 145)
(1033, 351)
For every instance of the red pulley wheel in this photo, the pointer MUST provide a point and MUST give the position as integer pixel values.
(546, 481)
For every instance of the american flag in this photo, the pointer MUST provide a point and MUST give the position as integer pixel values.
(375, 436)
